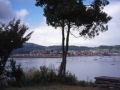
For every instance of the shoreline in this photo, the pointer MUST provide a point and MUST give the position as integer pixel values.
(52, 56)
(35, 56)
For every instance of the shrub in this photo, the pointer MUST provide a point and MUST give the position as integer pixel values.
(3, 82)
(43, 76)
(16, 74)
(83, 83)
(48, 75)
(29, 75)
(91, 84)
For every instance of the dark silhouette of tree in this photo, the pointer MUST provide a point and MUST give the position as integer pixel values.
(11, 37)
(88, 20)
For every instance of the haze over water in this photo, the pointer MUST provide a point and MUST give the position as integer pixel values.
(84, 67)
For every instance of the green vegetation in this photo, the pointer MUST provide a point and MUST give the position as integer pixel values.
(29, 47)
(16, 77)
(55, 87)
(11, 37)
(43, 76)
(15, 73)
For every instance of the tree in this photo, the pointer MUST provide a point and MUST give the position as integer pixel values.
(11, 37)
(88, 20)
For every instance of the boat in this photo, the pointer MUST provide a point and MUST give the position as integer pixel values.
(112, 63)
(95, 59)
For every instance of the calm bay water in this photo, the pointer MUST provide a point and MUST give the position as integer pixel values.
(84, 67)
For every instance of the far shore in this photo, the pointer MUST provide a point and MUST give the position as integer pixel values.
(35, 57)
(54, 56)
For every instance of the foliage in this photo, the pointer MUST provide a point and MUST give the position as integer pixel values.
(32, 76)
(11, 37)
(85, 17)
(85, 84)
(2, 82)
(16, 74)
(69, 79)
(43, 76)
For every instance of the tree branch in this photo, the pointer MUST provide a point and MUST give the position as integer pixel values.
(74, 35)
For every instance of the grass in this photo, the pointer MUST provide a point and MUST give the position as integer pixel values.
(56, 87)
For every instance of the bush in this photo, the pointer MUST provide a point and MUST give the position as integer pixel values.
(91, 84)
(43, 76)
(3, 82)
(83, 83)
(16, 74)
(70, 77)
(46, 76)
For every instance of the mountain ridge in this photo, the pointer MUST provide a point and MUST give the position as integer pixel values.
(29, 47)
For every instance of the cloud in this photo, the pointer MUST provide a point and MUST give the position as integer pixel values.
(6, 11)
(22, 13)
(46, 35)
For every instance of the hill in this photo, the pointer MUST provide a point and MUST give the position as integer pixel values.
(29, 47)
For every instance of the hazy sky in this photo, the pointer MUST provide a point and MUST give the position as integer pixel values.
(47, 35)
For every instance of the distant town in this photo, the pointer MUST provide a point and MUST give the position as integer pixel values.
(57, 54)
(34, 50)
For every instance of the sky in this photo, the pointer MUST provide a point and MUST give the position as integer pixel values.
(47, 35)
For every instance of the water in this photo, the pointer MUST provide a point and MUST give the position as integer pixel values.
(84, 67)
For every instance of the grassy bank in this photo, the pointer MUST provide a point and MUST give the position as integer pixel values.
(56, 87)
(44, 79)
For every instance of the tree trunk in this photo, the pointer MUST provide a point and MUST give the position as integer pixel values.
(64, 51)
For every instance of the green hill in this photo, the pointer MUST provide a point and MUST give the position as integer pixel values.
(29, 47)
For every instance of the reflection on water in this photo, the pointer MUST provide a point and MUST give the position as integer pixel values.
(84, 67)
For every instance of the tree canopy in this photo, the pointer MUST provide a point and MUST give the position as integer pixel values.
(11, 37)
(89, 20)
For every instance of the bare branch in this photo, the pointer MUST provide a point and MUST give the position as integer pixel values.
(74, 35)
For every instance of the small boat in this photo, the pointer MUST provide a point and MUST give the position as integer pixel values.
(112, 63)
(95, 59)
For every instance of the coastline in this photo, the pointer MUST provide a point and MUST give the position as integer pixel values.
(35, 56)
(54, 56)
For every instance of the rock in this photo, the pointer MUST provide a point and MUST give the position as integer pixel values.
(108, 82)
